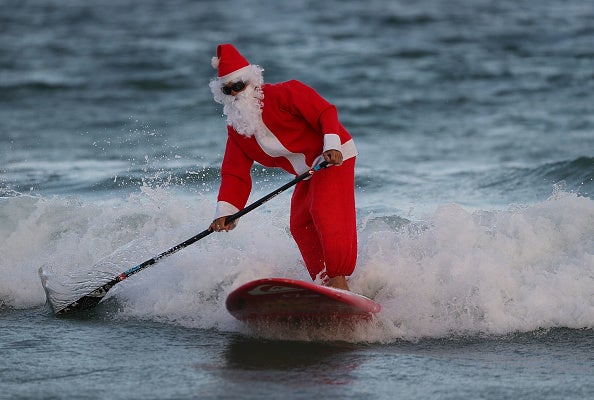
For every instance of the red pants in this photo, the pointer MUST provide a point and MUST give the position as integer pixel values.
(324, 222)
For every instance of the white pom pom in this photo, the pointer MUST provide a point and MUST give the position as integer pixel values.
(215, 62)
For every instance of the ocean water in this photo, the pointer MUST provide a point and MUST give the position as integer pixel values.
(475, 195)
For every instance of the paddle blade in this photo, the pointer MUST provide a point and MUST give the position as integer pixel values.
(75, 295)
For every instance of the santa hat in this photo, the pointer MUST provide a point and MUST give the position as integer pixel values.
(229, 63)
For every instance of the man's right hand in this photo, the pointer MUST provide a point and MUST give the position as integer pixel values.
(218, 225)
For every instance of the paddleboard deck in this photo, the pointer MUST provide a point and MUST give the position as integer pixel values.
(289, 300)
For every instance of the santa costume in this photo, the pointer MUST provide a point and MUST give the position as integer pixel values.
(289, 127)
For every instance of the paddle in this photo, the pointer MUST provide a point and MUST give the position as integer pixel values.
(93, 298)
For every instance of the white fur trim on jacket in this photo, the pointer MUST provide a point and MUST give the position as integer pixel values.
(332, 142)
(224, 209)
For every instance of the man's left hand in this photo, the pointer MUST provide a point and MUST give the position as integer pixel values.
(333, 157)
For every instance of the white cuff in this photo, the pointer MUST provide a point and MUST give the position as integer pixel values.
(224, 209)
(331, 142)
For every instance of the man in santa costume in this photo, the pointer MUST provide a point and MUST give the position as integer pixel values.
(290, 126)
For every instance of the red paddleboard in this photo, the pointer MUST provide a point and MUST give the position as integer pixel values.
(288, 300)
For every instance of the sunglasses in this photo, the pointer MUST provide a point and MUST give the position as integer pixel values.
(236, 87)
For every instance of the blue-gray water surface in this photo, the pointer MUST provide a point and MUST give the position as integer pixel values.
(474, 120)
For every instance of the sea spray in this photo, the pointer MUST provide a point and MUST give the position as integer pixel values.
(455, 272)
(486, 272)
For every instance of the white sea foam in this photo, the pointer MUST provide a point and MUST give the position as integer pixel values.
(456, 272)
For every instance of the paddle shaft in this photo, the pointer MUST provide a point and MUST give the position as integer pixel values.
(93, 298)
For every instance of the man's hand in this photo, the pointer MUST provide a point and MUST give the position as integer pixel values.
(218, 225)
(333, 157)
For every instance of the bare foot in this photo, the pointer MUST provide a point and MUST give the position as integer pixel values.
(339, 282)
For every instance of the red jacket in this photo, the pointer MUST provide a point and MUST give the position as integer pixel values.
(301, 126)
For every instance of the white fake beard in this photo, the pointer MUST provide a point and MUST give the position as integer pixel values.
(244, 111)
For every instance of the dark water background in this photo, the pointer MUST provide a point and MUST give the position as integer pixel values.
(475, 126)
